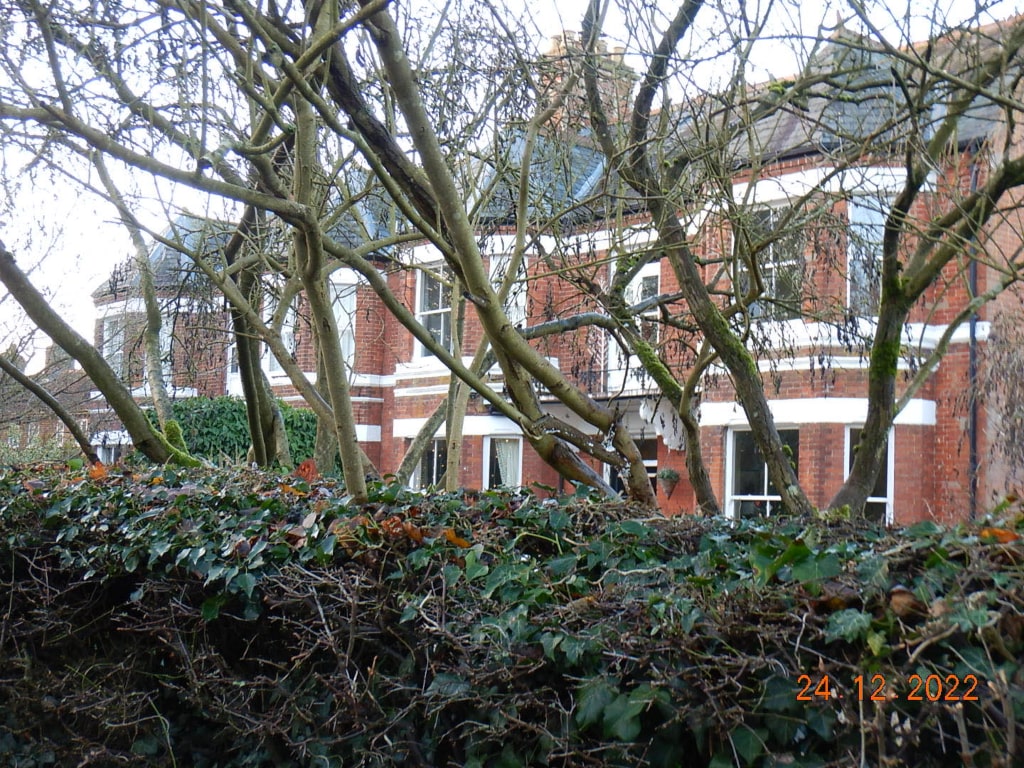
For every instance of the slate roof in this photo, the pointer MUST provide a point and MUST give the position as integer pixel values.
(171, 268)
(861, 93)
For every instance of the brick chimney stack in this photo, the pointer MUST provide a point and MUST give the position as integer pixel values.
(563, 58)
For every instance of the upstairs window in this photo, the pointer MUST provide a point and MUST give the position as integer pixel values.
(113, 343)
(781, 264)
(867, 216)
(515, 303)
(752, 492)
(434, 307)
(343, 300)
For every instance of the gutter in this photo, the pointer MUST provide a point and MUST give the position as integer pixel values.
(972, 364)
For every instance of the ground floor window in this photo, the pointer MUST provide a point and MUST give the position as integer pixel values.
(649, 453)
(752, 492)
(433, 464)
(504, 461)
(879, 505)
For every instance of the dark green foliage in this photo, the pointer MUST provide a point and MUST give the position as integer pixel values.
(214, 428)
(246, 619)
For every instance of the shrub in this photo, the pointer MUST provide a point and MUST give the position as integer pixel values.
(215, 428)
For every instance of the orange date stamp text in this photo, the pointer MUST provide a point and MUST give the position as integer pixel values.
(879, 688)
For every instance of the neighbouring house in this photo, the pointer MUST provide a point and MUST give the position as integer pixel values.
(28, 428)
(812, 325)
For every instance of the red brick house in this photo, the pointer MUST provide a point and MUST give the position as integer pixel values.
(812, 327)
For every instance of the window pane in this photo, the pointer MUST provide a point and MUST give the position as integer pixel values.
(791, 445)
(433, 463)
(881, 489)
(867, 229)
(781, 264)
(503, 462)
(748, 466)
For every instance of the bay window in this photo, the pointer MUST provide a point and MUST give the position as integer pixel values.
(780, 263)
(503, 462)
(751, 491)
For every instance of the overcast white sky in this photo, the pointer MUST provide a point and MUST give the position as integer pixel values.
(78, 242)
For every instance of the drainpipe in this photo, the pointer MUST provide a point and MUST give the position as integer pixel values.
(972, 364)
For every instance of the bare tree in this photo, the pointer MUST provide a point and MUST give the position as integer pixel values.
(875, 101)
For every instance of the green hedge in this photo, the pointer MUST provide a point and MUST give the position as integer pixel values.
(246, 619)
(215, 428)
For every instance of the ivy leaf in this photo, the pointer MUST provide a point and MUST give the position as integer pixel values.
(211, 607)
(592, 699)
(622, 718)
(817, 569)
(748, 742)
(849, 624)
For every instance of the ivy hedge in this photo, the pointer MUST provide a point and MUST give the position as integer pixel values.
(215, 428)
(212, 618)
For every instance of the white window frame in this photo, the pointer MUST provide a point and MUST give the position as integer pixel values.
(289, 335)
(769, 264)
(625, 372)
(444, 312)
(732, 499)
(167, 350)
(343, 291)
(417, 478)
(611, 473)
(516, 301)
(488, 443)
(866, 215)
(890, 465)
(115, 338)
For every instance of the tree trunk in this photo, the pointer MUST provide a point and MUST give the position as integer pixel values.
(310, 262)
(154, 317)
(458, 398)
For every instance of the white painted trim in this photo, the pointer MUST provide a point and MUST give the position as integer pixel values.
(423, 254)
(797, 334)
(815, 410)
(361, 399)
(173, 392)
(372, 380)
(825, 179)
(424, 368)
(368, 433)
(136, 306)
(730, 447)
(346, 276)
(433, 389)
(498, 426)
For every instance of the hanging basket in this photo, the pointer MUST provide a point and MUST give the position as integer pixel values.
(667, 483)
